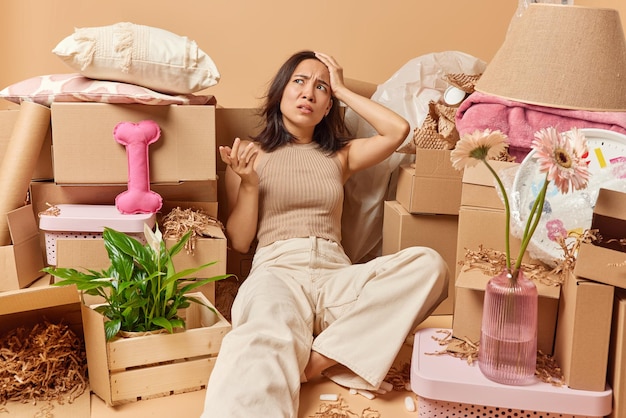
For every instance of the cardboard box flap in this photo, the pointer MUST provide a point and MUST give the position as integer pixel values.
(609, 218)
(22, 261)
(611, 203)
(14, 301)
(435, 163)
(214, 231)
(22, 224)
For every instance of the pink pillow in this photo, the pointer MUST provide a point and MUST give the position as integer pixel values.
(75, 88)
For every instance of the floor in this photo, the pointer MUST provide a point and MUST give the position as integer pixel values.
(389, 405)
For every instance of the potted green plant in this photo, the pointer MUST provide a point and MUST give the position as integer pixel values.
(141, 290)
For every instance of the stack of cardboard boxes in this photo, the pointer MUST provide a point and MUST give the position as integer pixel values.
(90, 167)
(601, 303)
(454, 212)
(574, 318)
(426, 211)
(82, 164)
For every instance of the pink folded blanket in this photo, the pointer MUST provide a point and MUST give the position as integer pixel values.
(519, 121)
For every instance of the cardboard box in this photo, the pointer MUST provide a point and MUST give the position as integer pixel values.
(402, 229)
(431, 185)
(479, 185)
(204, 250)
(27, 307)
(21, 261)
(605, 261)
(128, 369)
(583, 332)
(617, 355)
(43, 169)
(43, 194)
(85, 151)
(468, 308)
(482, 218)
(484, 227)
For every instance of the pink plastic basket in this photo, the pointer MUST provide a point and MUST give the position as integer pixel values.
(449, 387)
(87, 222)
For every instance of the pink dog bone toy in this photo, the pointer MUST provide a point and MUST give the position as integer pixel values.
(136, 137)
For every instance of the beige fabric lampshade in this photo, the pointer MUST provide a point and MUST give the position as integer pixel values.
(568, 57)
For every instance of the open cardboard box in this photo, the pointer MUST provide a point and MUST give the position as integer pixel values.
(21, 262)
(27, 307)
(481, 215)
(605, 261)
(209, 248)
(468, 308)
(482, 227)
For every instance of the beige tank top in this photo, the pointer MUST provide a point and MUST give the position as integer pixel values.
(300, 194)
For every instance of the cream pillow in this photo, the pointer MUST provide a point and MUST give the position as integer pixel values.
(137, 54)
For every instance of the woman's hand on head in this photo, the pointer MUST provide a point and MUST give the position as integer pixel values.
(241, 158)
(335, 70)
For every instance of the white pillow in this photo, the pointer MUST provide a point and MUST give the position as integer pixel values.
(137, 54)
(74, 87)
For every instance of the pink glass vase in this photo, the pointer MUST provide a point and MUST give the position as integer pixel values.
(508, 338)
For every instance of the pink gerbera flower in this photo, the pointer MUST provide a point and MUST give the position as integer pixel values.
(478, 146)
(563, 157)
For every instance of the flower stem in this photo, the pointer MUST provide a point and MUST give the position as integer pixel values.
(532, 222)
(507, 212)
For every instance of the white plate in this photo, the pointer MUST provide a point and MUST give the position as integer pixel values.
(607, 168)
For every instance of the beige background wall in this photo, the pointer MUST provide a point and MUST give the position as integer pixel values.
(248, 39)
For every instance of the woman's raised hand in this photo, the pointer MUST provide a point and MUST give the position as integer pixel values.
(241, 159)
(335, 70)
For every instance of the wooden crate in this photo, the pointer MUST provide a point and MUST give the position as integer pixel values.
(129, 369)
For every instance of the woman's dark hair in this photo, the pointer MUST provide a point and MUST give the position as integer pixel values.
(330, 133)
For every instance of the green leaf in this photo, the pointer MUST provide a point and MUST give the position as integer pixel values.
(177, 323)
(111, 328)
(163, 323)
(175, 249)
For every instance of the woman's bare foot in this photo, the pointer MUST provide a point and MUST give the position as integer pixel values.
(317, 364)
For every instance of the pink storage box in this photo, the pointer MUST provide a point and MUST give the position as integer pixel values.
(448, 387)
(88, 222)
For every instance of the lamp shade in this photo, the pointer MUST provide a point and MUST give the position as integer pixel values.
(568, 57)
